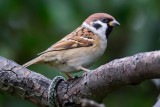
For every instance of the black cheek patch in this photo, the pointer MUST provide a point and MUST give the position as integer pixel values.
(96, 25)
(108, 31)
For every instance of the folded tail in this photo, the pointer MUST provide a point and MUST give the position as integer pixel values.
(33, 61)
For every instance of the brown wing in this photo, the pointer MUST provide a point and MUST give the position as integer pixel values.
(81, 37)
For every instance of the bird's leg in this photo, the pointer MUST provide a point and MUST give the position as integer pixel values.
(82, 68)
(68, 76)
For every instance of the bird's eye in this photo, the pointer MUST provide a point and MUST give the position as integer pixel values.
(104, 20)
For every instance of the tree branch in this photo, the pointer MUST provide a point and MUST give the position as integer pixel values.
(23, 83)
(93, 85)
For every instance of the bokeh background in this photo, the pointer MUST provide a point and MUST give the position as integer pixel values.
(28, 27)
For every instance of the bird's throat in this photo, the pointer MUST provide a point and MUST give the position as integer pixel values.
(108, 31)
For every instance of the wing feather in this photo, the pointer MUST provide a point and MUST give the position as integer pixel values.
(81, 37)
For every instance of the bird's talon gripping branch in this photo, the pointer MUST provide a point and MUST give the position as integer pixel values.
(52, 91)
(68, 76)
(82, 68)
(86, 70)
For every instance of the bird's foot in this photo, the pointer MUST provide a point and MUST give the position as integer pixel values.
(68, 76)
(82, 68)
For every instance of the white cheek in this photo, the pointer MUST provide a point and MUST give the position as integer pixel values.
(101, 31)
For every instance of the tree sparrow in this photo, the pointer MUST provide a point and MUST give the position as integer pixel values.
(80, 48)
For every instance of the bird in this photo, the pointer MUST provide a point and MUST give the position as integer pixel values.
(81, 48)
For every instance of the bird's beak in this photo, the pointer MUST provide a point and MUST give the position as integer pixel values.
(114, 23)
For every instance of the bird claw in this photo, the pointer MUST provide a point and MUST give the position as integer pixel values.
(82, 68)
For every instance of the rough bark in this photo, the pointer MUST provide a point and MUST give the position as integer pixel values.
(23, 83)
(93, 85)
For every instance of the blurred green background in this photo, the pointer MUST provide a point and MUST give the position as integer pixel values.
(28, 27)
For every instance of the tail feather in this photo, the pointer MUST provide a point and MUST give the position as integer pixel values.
(33, 61)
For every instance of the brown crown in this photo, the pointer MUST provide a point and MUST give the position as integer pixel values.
(97, 16)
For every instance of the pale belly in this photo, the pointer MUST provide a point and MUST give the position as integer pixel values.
(67, 61)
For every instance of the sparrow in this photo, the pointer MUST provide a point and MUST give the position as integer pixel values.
(81, 48)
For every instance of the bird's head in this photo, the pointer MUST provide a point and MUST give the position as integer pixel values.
(101, 24)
